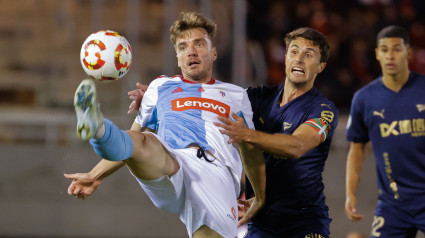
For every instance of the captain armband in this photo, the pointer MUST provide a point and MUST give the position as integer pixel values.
(320, 126)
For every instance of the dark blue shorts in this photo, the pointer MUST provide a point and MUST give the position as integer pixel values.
(393, 220)
(305, 226)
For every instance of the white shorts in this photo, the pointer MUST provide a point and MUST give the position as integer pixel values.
(201, 193)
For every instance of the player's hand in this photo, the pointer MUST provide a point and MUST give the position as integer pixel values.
(247, 209)
(236, 130)
(350, 209)
(136, 96)
(82, 185)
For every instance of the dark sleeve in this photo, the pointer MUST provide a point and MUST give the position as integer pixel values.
(356, 128)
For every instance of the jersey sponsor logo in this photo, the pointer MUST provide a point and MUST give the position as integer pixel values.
(420, 107)
(205, 104)
(415, 127)
(389, 171)
(327, 117)
(379, 114)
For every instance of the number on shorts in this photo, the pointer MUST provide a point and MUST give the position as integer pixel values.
(378, 222)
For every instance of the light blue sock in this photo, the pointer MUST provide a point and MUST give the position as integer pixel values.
(115, 145)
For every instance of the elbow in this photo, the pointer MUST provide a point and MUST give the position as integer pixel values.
(296, 151)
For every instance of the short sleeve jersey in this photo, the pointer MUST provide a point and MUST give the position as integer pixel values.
(183, 113)
(395, 124)
(293, 185)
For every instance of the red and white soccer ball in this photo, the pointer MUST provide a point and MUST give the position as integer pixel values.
(106, 55)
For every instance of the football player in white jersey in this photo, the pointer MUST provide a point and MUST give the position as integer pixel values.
(187, 167)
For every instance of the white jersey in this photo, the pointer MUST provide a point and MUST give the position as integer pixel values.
(183, 112)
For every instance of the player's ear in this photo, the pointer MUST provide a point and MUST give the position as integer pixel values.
(322, 66)
(214, 53)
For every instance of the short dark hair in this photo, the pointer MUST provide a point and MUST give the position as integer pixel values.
(393, 32)
(190, 20)
(316, 37)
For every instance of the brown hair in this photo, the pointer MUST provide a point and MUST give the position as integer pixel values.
(190, 20)
(316, 37)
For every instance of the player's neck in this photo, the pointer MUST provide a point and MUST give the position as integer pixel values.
(395, 82)
(292, 91)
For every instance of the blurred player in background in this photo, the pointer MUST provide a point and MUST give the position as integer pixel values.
(390, 112)
(187, 167)
(295, 125)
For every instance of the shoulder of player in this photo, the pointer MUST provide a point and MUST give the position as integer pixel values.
(417, 76)
(263, 90)
(163, 79)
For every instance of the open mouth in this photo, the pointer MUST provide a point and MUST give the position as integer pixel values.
(297, 70)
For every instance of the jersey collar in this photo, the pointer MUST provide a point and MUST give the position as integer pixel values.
(212, 81)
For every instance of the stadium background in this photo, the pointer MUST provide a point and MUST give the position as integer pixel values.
(40, 41)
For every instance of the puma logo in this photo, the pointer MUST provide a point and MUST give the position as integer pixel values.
(325, 105)
(380, 114)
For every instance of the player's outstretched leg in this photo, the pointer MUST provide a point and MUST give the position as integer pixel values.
(107, 140)
(89, 117)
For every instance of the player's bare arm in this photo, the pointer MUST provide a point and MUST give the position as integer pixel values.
(255, 169)
(302, 140)
(355, 160)
(85, 184)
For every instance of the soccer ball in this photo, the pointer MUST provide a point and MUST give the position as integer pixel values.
(106, 55)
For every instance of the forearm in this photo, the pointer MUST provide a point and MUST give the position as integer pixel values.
(282, 145)
(105, 168)
(354, 168)
(255, 169)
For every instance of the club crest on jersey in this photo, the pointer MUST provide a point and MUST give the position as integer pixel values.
(205, 104)
(420, 107)
(379, 114)
(222, 93)
(286, 125)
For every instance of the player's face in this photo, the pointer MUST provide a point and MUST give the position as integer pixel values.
(195, 55)
(302, 62)
(392, 55)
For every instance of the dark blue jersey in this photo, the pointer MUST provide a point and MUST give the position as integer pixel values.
(293, 186)
(394, 123)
